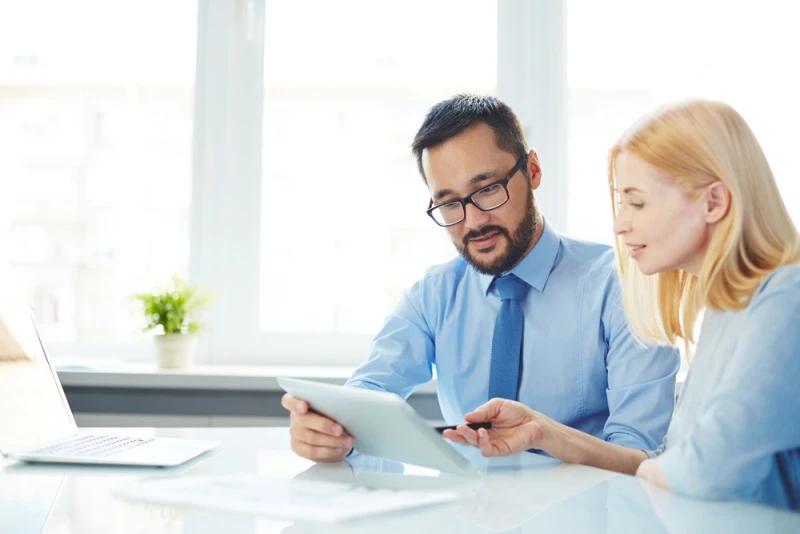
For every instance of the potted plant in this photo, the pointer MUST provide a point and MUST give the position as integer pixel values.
(171, 313)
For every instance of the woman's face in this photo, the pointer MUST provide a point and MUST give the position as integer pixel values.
(662, 227)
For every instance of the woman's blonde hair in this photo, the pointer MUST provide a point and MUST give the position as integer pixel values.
(699, 142)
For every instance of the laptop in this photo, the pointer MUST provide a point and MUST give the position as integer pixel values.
(36, 423)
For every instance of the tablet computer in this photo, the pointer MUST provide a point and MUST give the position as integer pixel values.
(382, 424)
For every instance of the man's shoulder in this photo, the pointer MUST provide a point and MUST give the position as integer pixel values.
(441, 281)
(454, 269)
(596, 257)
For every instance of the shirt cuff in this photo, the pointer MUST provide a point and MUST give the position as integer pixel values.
(655, 453)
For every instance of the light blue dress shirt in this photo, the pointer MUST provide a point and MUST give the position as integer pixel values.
(580, 364)
(736, 430)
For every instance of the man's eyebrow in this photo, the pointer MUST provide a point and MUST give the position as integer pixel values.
(475, 180)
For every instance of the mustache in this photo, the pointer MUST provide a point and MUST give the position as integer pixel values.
(486, 230)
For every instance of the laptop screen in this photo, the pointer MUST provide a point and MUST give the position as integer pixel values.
(32, 410)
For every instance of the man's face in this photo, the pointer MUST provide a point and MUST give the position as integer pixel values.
(491, 241)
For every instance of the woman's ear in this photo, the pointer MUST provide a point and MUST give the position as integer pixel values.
(718, 202)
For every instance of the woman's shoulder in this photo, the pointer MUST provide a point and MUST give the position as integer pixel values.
(784, 280)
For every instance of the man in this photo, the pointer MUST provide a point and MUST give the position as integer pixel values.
(523, 313)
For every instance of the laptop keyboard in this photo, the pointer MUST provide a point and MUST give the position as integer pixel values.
(91, 446)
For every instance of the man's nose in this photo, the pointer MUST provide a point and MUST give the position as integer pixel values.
(474, 218)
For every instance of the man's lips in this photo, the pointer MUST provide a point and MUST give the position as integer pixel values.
(486, 240)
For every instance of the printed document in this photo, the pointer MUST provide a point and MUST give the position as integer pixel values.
(316, 501)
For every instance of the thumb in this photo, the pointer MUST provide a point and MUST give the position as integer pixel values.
(293, 404)
(485, 412)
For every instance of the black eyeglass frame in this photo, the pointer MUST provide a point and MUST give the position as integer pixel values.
(468, 199)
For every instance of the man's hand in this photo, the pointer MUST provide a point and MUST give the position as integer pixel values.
(515, 428)
(314, 436)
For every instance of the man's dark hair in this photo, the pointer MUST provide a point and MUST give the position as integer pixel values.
(447, 119)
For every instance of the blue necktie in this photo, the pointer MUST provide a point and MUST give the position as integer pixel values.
(507, 338)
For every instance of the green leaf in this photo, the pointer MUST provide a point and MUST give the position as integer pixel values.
(174, 308)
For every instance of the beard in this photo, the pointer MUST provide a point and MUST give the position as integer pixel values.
(518, 242)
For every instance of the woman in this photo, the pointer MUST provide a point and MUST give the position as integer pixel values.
(700, 227)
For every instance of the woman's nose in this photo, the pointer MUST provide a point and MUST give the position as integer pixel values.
(621, 225)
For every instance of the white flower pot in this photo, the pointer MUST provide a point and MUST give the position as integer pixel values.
(175, 351)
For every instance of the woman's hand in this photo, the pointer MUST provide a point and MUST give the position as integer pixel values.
(651, 470)
(515, 428)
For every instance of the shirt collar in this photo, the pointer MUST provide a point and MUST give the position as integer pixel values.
(535, 267)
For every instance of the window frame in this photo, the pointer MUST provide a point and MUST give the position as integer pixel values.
(225, 212)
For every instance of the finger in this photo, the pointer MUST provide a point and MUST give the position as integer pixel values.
(469, 435)
(485, 443)
(318, 439)
(293, 404)
(454, 436)
(317, 422)
(319, 454)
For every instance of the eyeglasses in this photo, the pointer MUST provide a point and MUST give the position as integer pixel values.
(487, 198)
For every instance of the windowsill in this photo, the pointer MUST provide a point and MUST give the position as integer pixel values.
(205, 377)
(210, 377)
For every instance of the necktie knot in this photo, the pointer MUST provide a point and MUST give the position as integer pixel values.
(511, 287)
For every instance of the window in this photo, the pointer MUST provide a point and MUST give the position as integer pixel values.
(282, 141)
(95, 171)
(343, 224)
(626, 57)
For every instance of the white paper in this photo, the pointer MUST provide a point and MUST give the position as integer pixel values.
(316, 501)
